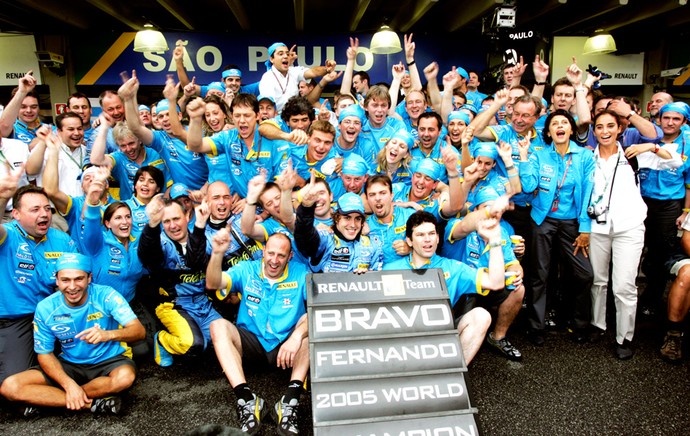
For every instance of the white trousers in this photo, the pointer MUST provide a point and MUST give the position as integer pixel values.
(624, 250)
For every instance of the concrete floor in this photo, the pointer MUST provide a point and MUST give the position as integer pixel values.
(559, 389)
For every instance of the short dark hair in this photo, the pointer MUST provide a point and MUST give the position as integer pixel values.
(26, 189)
(573, 126)
(297, 105)
(563, 81)
(267, 187)
(433, 115)
(363, 75)
(155, 173)
(79, 95)
(607, 112)
(418, 218)
(246, 100)
(382, 179)
(63, 116)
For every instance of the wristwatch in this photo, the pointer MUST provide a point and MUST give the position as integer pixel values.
(630, 115)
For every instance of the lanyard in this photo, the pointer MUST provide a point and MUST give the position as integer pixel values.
(81, 157)
(559, 185)
(282, 89)
(606, 185)
(253, 156)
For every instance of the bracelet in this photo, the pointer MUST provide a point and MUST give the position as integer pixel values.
(510, 176)
(511, 167)
(583, 89)
(494, 244)
(250, 204)
(453, 177)
(409, 64)
(656, 148)
(686, 209)
(540, 83)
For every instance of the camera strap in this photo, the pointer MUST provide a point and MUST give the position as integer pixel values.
(610, 187)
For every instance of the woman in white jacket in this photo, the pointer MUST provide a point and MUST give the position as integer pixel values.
(618, 213)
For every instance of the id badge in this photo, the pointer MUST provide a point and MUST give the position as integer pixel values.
(554, 206)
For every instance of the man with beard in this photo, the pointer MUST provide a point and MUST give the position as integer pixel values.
(31, 250)
(431, 141)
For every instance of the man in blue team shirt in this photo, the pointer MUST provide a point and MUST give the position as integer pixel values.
(29, 250)
(131, 156)
(185, 165)
(248, 152)
(422, 235)
(92, 323)
(271, 328)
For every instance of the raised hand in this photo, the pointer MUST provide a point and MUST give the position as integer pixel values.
(196, 108)
(129, 89)
(574, 73)
(540, 69)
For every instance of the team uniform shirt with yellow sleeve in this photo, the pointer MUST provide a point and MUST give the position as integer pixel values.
(269, 309)
(55, 320)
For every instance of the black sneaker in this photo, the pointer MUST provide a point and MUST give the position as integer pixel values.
(550, 320)
(285, 415)
(504, 347)
(671, 350)
(578, 335)
(624, 351)
(110, 405)
(250, 414)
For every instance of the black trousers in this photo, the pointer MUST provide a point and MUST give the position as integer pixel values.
(661, 240)
(576, 271)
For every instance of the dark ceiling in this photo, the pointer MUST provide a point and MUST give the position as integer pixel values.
(633, 22)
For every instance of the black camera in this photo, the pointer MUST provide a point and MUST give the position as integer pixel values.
(598, 213)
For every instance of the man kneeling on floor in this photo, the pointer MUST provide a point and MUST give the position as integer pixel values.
(93, 324)
(271, 326)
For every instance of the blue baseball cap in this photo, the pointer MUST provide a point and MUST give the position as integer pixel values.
(462, 72)
(486, 149)
(405, 137)
(679, 107)
(179, 190)
(457, 115)
(428, 167)
(349, 203)
(74, 261)
(234, 72)
(143, 107)
(267, 97)
(163, 106)
(217, 86)
(354, 110)
(354, 165)
(469, 107)
(484, 195)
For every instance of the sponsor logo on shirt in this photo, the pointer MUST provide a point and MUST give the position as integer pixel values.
(94, 316)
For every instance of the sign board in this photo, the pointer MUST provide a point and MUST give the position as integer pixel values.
(60, 108)
(207, 54)
(385, 354)
(17, 56)
(624, 69)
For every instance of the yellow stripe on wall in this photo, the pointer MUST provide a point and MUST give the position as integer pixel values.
(108, 58)
(680, 80)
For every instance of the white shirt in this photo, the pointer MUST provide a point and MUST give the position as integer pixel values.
(70, 163)
(281, 88)
(16, 153)
(627, 210)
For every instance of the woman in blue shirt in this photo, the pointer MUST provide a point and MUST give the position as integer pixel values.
(561, 176)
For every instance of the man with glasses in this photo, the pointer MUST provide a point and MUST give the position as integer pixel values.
(247, 151)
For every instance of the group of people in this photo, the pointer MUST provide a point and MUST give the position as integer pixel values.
(194, 222)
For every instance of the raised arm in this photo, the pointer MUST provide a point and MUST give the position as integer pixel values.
(450, 81)
(51, 178)
(98, 154)
(315, 93)
(286, 182)
(8, 186)
(248, 222)
(170, 92)
(480, 123)
(416, 81)
(431, 73)
(505, 151)
(320, 70)
(128, 94)
(178, 58)
(584, 116)
(541, 75)
(398, 71)
(34, 164)
(346, 84)
(494, 279)
(214, 270)
(195, 140)
(457, 196)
